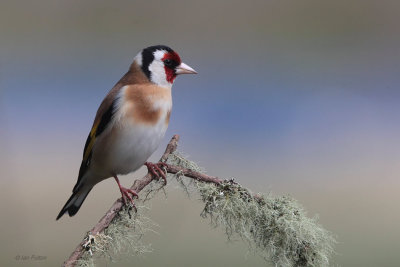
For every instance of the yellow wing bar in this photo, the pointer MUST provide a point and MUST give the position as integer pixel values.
(91, 142)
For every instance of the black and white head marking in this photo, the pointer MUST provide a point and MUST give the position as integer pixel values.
(161, 65)
(151, 62)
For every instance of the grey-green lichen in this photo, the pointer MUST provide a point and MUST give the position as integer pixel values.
(275, 227)
(124, 235)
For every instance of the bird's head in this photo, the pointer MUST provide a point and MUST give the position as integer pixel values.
(161, 65)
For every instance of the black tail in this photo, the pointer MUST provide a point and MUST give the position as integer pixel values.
(75, 202)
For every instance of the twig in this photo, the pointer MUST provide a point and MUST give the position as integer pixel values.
(192, 174)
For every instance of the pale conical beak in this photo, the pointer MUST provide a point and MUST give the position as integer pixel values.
(184, 69)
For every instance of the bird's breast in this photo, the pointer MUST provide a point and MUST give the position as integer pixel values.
(146, 104)
(140, 124)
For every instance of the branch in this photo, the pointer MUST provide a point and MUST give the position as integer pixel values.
(192, 174)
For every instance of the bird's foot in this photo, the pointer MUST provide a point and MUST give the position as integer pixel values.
(156, 171)
(125, 192)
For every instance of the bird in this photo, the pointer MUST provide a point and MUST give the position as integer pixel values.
(129, 124)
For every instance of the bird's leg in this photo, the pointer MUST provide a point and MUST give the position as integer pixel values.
(156, 171)
(125, 192)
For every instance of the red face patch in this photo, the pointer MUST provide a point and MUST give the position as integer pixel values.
(171, 61)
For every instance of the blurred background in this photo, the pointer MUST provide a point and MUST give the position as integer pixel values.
(292, 97)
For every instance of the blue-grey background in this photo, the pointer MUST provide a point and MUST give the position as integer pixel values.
(292, 97)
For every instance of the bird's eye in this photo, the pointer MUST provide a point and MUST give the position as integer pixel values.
(168, 62)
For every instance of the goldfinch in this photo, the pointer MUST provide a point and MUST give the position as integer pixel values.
(129, 124)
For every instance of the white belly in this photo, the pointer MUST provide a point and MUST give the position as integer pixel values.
(136, 145)
(128, 148)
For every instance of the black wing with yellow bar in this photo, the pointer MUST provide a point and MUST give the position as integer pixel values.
(97, 129)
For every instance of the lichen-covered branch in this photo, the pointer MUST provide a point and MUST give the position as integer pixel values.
(277, 228)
